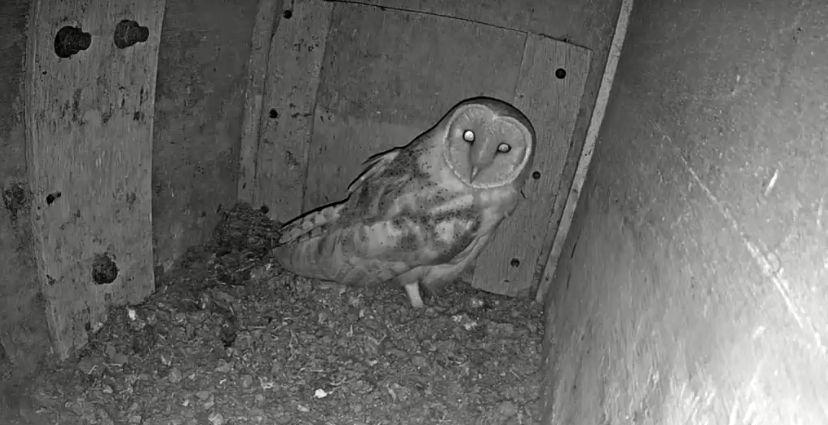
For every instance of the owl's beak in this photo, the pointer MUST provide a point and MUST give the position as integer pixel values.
(474, 172)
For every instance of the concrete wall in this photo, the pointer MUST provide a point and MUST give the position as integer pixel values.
(693, 285)
(204, 50)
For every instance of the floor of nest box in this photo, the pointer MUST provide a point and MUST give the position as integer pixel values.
(230, 339)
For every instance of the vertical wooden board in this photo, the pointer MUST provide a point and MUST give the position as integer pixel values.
(294, 64)
(508, 265)
(254, 96)
(90, 121)
(397, 70)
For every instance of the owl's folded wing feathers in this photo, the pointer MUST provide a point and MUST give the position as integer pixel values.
(369, 237)
(312, 223)
(374, 166)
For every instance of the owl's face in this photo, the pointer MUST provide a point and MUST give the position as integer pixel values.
(488, 142)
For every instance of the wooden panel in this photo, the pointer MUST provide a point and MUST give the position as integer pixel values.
(254, 96)
(400, 72)
(296, 53)
(90, 121)
(508, 265)
(24, 333)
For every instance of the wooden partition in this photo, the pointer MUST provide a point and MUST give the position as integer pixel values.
(347, 80)
(90, 90)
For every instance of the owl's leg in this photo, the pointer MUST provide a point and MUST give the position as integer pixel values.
(413, 291)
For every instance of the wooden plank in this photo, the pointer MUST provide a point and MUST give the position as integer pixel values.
(397, 72)
(550, 263)
(508, 265)
(266, 18)
(294, 65)
(89, 121)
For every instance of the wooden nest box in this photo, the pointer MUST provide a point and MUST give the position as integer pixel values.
(329, 84)
(344, 81)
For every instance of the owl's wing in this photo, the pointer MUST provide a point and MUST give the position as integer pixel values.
(374, 166)
(310, 224)
(386, 227)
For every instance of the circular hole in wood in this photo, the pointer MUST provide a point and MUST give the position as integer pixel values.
(515, 262)
(70, 41)
(560, 73)
(273, 114)
(536, 175)
(52, 197)
(288, 14)
(104, 269)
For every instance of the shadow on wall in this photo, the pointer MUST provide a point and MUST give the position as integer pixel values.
(691, 289)
(205, 46)
(23, 328)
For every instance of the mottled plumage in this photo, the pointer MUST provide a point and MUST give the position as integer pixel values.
(420, 213)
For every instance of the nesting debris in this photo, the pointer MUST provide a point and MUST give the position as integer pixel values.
(230, 338)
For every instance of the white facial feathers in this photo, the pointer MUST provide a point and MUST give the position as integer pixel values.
(484, 149)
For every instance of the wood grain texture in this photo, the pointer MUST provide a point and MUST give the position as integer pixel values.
(90, 121)
(24, 333)
(294, 64)
(266, 18)
(389, 76)
(351, 140)
(508, 265)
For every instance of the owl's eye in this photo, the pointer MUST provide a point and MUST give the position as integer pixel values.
(503, 148)
(468, 136)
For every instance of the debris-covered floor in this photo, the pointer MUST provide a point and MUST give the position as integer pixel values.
(229, 338)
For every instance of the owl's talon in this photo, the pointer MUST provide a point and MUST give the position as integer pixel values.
(413, 291)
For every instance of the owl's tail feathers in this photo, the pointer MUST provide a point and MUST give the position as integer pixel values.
(302, 258)
(305, 225)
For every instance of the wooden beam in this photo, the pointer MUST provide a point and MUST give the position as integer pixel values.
(549, 92)
(266, 19)
(551, 263)
(294, 64)
(89, 119)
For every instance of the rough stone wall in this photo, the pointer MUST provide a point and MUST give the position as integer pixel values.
(205, 47)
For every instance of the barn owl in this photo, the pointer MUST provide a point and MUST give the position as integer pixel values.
(419, 214)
